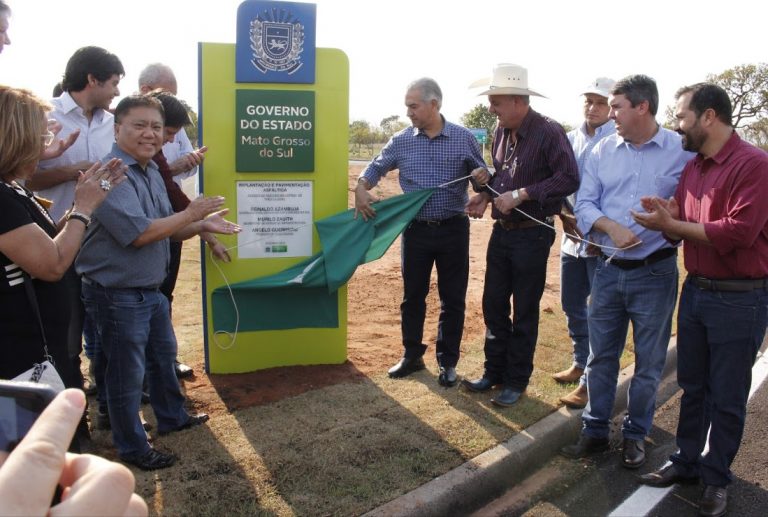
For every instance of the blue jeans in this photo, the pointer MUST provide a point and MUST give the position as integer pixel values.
(719, 334)
(135, 334)
(516, 267)
(575, 285)
(646, 297)
(446, 246)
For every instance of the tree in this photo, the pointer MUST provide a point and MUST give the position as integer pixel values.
(391, 125)
(479, 117)
(360, 133)
(747, 86)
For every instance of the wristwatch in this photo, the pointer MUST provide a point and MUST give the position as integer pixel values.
(516, 194)
(80, 217)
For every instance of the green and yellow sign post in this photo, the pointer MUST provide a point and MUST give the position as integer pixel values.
(278, 153)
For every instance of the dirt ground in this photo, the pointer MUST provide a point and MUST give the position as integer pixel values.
(373, 342)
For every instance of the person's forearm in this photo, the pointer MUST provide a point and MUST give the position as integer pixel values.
(164, 228)
(678, 230)
(46, 178)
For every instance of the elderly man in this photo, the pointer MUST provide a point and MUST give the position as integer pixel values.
(431, 153)
(535, 170)
(636, 276)
(720, 211)
(123, 261)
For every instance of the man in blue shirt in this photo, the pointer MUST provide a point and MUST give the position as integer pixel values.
(431, 153)
(636, 275)
(577, 267)
(123, 262)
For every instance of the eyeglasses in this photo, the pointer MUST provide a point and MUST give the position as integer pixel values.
(48, 137)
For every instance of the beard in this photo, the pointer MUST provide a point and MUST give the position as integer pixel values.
(693, 139)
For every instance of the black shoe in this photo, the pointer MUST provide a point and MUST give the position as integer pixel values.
(447, 377)
(183, 371)
(714, 501)
(480, 385)
(151, 460)
(667, 476)
(633, 455)
(194, 420)
(406, 366)
(508, 397)
(586, 446)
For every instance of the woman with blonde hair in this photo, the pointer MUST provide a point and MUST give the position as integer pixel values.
(36, 252)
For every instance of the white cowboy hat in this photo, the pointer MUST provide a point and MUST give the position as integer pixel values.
(508, 79)
(601, 86)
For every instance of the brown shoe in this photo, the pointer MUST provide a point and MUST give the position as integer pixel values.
(572, 374)
(576, 399)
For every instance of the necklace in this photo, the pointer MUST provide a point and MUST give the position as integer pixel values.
(22, 192)
(509, 156)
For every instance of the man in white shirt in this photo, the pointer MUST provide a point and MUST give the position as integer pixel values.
(576, 267)
(90, 83)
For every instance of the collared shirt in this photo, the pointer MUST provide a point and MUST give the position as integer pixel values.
(430, 162)
(617, 174)
(541, 161)
(582, 145)
(107, 256)
(95, 141)
(728, 193)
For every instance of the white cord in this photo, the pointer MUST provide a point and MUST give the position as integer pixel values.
(574, 237)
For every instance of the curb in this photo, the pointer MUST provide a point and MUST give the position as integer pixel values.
(481, 479)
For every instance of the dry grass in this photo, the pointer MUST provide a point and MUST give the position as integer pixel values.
(339, 450)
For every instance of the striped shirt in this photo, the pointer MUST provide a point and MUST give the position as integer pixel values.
(542, 161)
(430, 162)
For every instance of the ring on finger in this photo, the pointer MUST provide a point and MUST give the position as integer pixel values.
(105, 185)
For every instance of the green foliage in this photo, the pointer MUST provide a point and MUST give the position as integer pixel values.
(479, 117)
(747, 86)
(391, 125)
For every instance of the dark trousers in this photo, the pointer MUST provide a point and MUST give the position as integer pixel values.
(446, 246)
(169, 284)
(516, 268)
(719, 334)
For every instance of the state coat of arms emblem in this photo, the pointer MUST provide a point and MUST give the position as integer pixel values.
(277, 41)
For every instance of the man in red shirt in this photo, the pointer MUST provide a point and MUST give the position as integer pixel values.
(720, 211)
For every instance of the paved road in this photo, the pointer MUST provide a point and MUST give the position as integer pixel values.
(600, 486)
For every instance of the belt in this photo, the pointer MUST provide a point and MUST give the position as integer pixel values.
(654, 257)
(518, 225)
(92, 283)
(734, 285)
(439, 222)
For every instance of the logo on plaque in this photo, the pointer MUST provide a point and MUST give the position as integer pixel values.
(275, 42)
(277, 45)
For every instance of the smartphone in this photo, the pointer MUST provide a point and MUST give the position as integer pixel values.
(20, 405)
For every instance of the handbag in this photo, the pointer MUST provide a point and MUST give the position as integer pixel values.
(44, 372)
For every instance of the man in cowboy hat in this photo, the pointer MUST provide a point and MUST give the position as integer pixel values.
(535, 170)
(636, 275)
(431, 153)
(577, 267)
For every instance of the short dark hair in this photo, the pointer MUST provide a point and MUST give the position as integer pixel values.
(638, 88)
(707, 96)
(90, 60)
(176, 114)
(137, 101)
